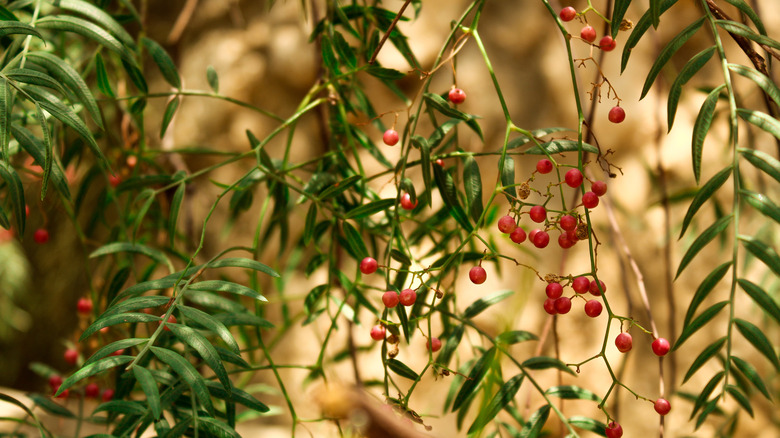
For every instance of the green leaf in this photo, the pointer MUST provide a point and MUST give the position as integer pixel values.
(739, 397)
(752, 375)
(34, 77)
(699, 322)
(98, 15)
(242, 319)
(103, 83)
(588, 424)
(216, 428)
(508, 179)
(125, 407)
(759, 78)
(173, 216)
(702, 127)
(204, 348)
(762, 120)
(475, 377)
(439, 104)
(666, 54)
(41, 428)
(763, 252)
(481, 304)
(761, 298)
(7, 15)
(448, 193)
(135, 303)
(187, 372)
(355, 241)
(762, 203)
(311, 222)
(748, 11)
(236, 395)
(5, 118)
(704, 238)
(400, 257)
(170, 111)
(339, 187)
(137, 78)
(704, 356)
(425, 164)
(640, 28)
(450, 345)
(113, 347)
(572, 392)
(688, 71)
(515, 336)
(703, 194)
(705, 393)
(15, 191)
(18, 28)
(533, 426)
(366, 210)
(123, 318)
(502, 398)
(559, 146)
(240, 262)
(344, 51)
(149, 386)
(116, 247)
(759, 340)
(544, 362)
(50, 406)
(227, 286)
(744, 31)
(472, 182)
(385, 73)
(402, 369)
(163, 61)
(86, 29)
(210, 323)
(92, 369)
(763, 161)
(618, 12)
(212, 78)
(704, 290)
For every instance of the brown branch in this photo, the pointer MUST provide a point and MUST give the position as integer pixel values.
(389, 30)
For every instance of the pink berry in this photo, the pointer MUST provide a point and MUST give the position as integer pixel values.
(84, 306)
(63, 394)
(71, 356)
(477, 275)
(565, 242)
(41, 236)
(567, 14)
(518, 235)
(623, 342)
(377, 332)
(549, 306)
(532, 234)
(541, 239)
(538, 213)
(55, 381)
(588, 33)
(568, 222)
(660, 346)
(368, 265)
(506, 224)
(607, 44)
(573, 178)
(114, 180)
(662, 406)
(614, 430)
(599, 188)
(171, 319)
(406, 202)
(390, 298)
(408, 297)
(440, 162)
(616, 114)
(554, 290)
(580, 285)
(457, 96)
(544, 166)
(92, 390)
(108, 395)
(593, 308)
(590, 200)
(593, 287)
(390, 137)
(434, 344)
(563, 305)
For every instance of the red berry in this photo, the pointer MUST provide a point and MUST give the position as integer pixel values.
(26, 210)
(594, 287)
(368, 265)
(607, 44)
(457, 96)
(532, 234)
(614, 430)
(477, 275)
(63, 394)
(580, 285)
(588, 33)
(616, 114)
(434, 344)
(573, 178)
(590, 200)
(440, 162)
(661, 346)
(408, 297)
(507, 224)
(406, 202)
(541, 239)
(568, 222)
(563, 305)
(567, 14)
(538, 213)
(114, 180)
(171, 319)
(390, 298)
(554, 290)
(118, 352)
(41, 236)
(623, 342)
(390, 137)
(662, 406)
(84, 306)
(544, 166)
(593, 308)
(92, 390)
(108, 395)
(518, 235)
(572, 235)
(549, 306)
(599, 188)
(55, 381)
(564, 241)
(71, 356)
(377, 332)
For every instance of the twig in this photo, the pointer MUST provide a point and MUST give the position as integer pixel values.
(182, 21)
(389, 30)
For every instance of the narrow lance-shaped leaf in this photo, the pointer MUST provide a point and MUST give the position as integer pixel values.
(704, 238)
(227, 286)
(87, 29)
(472, 181)
(744, 31)
(5, 117)
(92, 369)
(15, 194)
(209, 322)
(699, 322)
(113, 347)
(666, 54)
(502, 398)
(587, 423)
(425, 164)
(762, 203)
(33, 146)
(751, 373)
(99, 16)
(475, 377)
(481, 304)
(763, 161)
(701, 127)
(170, 111)
(103, 83)
(236, 395)
(173, 217)
(705, 192)
(544, 362)
(212, 78)
(763, 252)
(448, 193)
(163, 61)
(364, 210)
(762, 120)
(355, 241)
(761, 298)
(559, 146)
(187, 372)
(401, 369)
(705, 392)
(740, 398)
(122, 318)
(760, 79)
(41, 428)
(508, 179)
(759, 340)
(137, 248)
(640, 28)
(34, 77)
(749, 12)
(149, 386)
(533, 426)
(18, 28)
(618, 12)
(572, 392)
(704, 356)
(688, 71)
(204, 348)
(704, 290)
